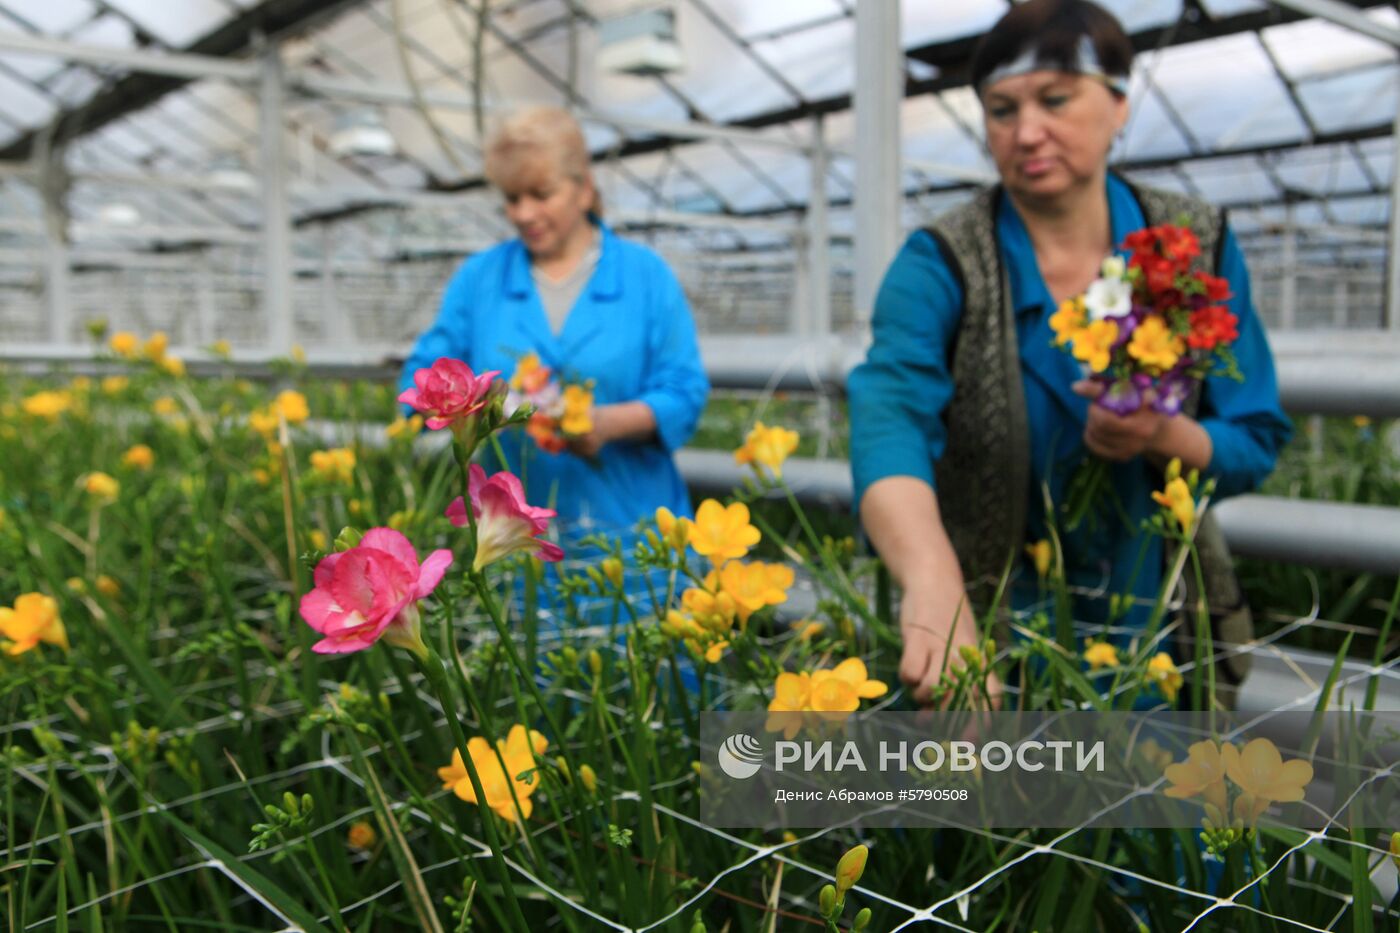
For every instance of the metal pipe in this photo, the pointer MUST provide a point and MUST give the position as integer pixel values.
(879, 90)
(1346, 16)
(177, 65)
(276, 219)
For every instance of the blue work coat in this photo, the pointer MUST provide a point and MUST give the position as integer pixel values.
(630, 332)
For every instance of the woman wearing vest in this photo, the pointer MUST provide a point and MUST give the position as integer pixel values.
(963, 410)
(590, 306)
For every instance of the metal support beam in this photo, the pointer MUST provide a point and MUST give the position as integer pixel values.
(277, 223)
(1288, 282)
(818, 315)
(54, 188)
(1344, 15)
(879, 198)
(158, 63)
(1391, 321)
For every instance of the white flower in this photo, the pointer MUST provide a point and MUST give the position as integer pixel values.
(1113, 267)
(1108, 298)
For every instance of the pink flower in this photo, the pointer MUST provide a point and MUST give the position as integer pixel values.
(505, 523)
(448, 391)
(371, 591)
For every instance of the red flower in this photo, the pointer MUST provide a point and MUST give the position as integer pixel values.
(1212, 326)
(1217, 289)
(448, 392)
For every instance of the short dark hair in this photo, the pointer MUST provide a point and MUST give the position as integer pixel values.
(1052, 30)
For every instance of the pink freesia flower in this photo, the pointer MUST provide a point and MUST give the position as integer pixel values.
(371, 591)
(448, 391)
(505, 522)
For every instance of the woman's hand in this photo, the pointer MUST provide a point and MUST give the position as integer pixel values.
(620, 421)
(588, 445)
(1120, 437)
(924, 621)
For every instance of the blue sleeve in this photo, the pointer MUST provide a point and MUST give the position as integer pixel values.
(449, 336)
(898, 394)
(675, 386)
(1246, 424)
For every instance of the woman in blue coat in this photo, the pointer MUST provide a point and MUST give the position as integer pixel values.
(591, 306)
(963, 414)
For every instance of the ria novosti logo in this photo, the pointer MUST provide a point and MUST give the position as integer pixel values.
(740, 756)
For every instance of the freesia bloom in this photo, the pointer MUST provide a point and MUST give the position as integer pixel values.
(371, 591)
(1161, 670)
(752, 586)
(139, 456)
(1094, 344)
(1068, 320)
(1101, 654)
(722, 533)
(1108, 298)
(1212, 326)
(156, 345)
(101, 487)
(165, 406)
(47, 404)
(530, 375)
(577, 419)
(33, 619)
(518, 750)
(291, 405)
(674, 531)
(124, 343)
(767, 446)
(448, 391)
(826, 694)
(1153, 344)
(334, 466)
(221, 348)
(404, 428)
(1040, 553)
(114, 385)
(172, 365)
(1259, 770)
(505, 522)
(1202, 773)
(1177, 497)
(361, 835)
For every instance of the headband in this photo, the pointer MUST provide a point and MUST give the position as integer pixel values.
(1086, 62)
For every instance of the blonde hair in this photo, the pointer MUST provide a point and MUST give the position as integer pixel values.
(537, 141)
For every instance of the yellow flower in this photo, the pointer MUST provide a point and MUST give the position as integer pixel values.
(825, 694)
(334, 466)
(101, 487)
(108, 587)
(263, 422)
(518, 749)
(530, 374)
(172, 365)
(361, 835)
(806, 631)
(223, 350)
(292, 405)
(76, 584)
(156, 345)
(1154, 754)
(612, 569)
(114, 385)
(81, 384)
(1101, 654)
(1041, 553)
(124, 344)
(1094, 344)
(1154, 345)
(33, 619)
(47, 404)
(1202, 773)
(140, 457)
(404, 428)
(578, 410)
(317, 539)
(722, 533)
(298, 353)
(850, 868)
(1260, 771)
(752, 586)
(1177, 497)
(674, 531)
(165, 406)
(262, 477)
(589, 778)
(1068, 321)
(767, 446)
(1161, 670)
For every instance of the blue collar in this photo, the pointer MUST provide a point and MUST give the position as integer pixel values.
(604, 285)
(1028, 289)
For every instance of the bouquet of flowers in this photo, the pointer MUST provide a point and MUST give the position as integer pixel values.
(562, 410)
(1148, 330)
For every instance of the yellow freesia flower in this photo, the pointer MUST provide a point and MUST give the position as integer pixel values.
(114, 385)
(674, 531)
(292, 406)
(578, 410)
(156, 345)
(165, 406)
(1201, 774)
(723, 533)
(768, 447)
(80, 384)
(101, 487)
(361, 835)
(518, 750)
(1068, 321)
(1177, 497)
(1154, 345)
(172, 365)
(48, 404)
(334, 466)
(221, 348)
(33, 619)
(822, 694)
(752, 586)
(124, 344)
(1101, 654)
(1041, 553)
(404, 428)
(1094, 344)
(1162, 671)
(107, 586)
(139, 456)
(1260, 771)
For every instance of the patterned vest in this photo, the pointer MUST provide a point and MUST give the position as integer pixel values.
(984, 475)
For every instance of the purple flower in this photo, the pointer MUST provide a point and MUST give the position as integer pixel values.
(1122, 397)
(1172, 392)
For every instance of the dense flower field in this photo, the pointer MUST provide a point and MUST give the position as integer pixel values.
(270, 663)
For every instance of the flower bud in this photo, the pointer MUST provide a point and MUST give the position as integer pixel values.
(595, 662)
(589, 778)
(826, 900)
(348, 539)
(862, 920)
(850, 868)
(612, 569)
